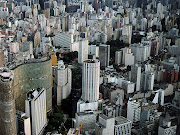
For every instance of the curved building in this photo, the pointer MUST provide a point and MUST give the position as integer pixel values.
(90, 80)
(7, 103)
(33, 74)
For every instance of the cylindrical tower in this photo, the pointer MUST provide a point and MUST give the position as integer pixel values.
(90, 80)
(7, 103)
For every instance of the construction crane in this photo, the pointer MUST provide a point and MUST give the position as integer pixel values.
(79, 129)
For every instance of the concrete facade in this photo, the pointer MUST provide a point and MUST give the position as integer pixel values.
(36, 110)
(7, 106)
(90, 80)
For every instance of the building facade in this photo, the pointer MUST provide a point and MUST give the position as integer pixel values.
(7, 106)
(36, 110)
(90, 80)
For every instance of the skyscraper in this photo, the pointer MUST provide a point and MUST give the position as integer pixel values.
(104, 55)
(7, 103)
(135, 75)
(83, 51)
(36, 110)
(90, 80)
(64, 81)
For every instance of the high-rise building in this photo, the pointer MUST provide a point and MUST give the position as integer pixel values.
(90, 80)
(135, 76)
(118, 57)
(23, 123)
(133, 110)
(104, 55)
(83, 51)
(7, 106)
(140, 51)
(36, 110)
(64, 40)
(147, 81)
(122, 126)
(1, 57)
(64, 80)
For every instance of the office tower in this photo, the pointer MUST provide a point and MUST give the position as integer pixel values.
(122, 126)
(90, 80)
(83, 51)
(1, 57)
(135, 76)
(104, 55)
(118, 57)
(7, 106)
(104, 125)
(23, 123)
(36, 110)
(64, 80)
(64, 40)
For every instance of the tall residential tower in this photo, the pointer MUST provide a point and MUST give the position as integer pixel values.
(7, 103)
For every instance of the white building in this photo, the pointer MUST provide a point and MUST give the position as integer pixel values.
(129, 59)
(23, 123)
(36, 110)
(104, 125)
(124, 51)
(159, 97)
(118, 57)
(122, 126)
(64, 80)
(141, 52)
(133, 110)
(93, 50)
(128, 86)
(83, 51)
(64, 40)
(90, 80)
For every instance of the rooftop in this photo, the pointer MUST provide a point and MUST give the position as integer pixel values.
(121, 120)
